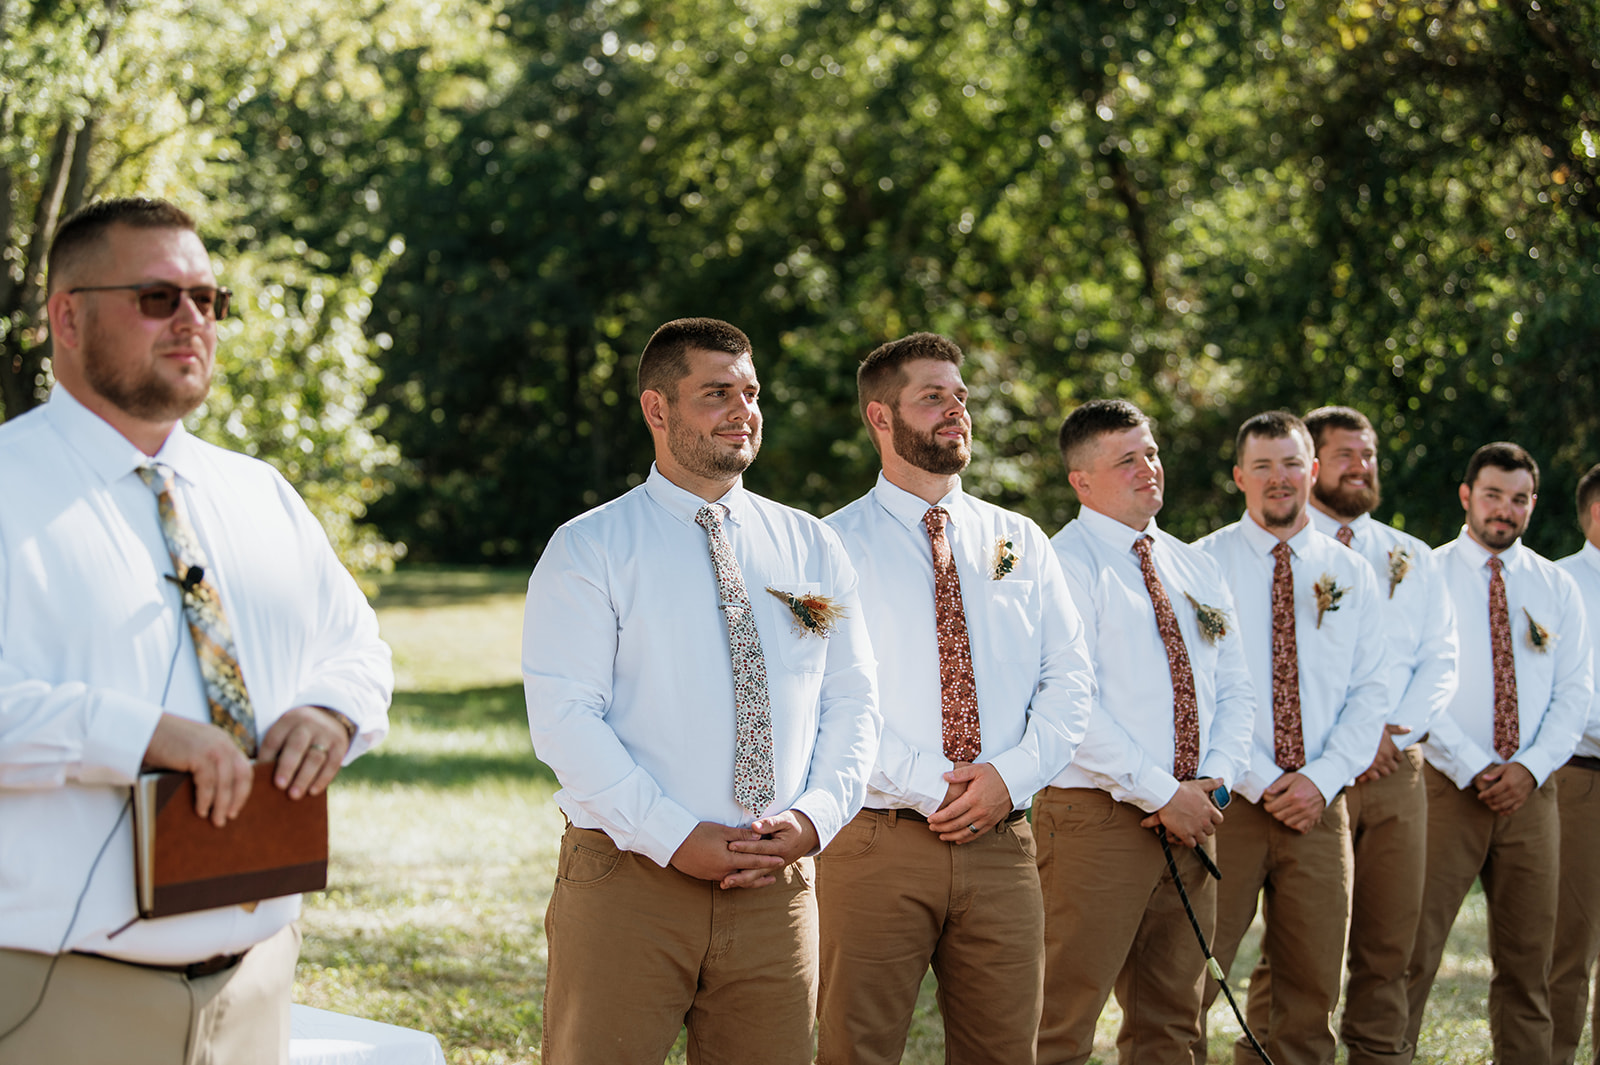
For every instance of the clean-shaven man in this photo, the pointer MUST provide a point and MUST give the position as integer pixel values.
(1312, 623)
(1578, 798)
(1172, 726)
(1526, 684)
(986, 687)
(699, 678)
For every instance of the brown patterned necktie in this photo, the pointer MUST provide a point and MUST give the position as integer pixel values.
(1345, 535)
(208, 622)
(1185, 707)
(752, 704)
(1507, 733)
(1288, 738)
(958, 689)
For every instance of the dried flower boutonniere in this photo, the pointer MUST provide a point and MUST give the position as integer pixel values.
(1539, 637)
(813, 614)
(1005, 559)
(1328, 595)
(1399, 567)
(1213, 620)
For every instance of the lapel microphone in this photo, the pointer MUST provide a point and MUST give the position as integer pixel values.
(190, 580)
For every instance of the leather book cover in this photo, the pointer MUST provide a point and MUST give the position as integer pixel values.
(182, 862)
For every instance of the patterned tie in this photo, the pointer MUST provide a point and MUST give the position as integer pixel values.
(1345, 535)
(1185, 708)
(1288, 739)
(958, 690)
(208, 622)
(1507, 733)
(753, 787)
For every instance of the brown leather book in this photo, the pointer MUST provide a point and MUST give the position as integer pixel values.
(182, 862)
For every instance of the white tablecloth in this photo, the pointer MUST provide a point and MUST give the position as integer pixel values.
(318, 1037)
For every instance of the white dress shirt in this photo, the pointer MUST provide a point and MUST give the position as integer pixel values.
(90, 630)
(1129, 747)
(1421, 622)
(1585, 569)
(1034, 682)
(1342, 663)
(630, 682)
(1554, 686)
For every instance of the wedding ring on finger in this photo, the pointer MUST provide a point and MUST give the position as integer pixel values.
(973, 829)
(320, 748)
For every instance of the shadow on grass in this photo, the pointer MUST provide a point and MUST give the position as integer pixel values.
(453, 770)
(430, 586)
(473, 708)
(489, 710)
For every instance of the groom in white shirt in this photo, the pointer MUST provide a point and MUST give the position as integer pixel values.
(700, 680)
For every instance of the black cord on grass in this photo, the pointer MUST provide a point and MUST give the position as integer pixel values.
(1212, 966)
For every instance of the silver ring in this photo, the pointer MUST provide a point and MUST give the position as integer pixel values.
(320, 747)
(973, 829)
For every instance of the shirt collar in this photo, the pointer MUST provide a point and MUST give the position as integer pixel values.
(1111, 531)
(909, 509)
(684, 504)
(1477, 556)
(1328, 525)
(1264, 542)
(106, 451)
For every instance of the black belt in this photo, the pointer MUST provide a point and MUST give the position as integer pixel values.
(193, 971)
(917, 815)
(1584, 761)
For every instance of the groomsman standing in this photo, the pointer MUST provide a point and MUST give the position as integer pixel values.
(1172, 723)
(1311, 618)
(1388, 805)
(1578, 797)
(1525, 688)
(986, 690)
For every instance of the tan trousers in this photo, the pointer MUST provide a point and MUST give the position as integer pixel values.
(1577, 911)
(1304, 884)
(1517, 859)
(893, 899)
(1388, 832)
(1113, 921)
(638, 951)
(98, 1010)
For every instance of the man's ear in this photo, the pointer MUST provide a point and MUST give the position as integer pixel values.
(880, 419)
(654, 406)
(1079, 482)
(66, 320)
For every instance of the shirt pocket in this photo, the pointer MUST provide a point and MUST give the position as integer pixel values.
(1010, 624)
(800, 649)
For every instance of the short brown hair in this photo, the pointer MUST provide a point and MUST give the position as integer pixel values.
(1502, 455)
(665, 359)
(1588, 492)
(1092, 420)
(1319, 421)
(882, 375)
(1270, 425)
(86, 227)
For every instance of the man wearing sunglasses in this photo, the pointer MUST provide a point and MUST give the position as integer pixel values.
(164, 604)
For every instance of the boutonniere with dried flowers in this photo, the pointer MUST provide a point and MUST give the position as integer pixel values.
(1005, 559)
(1328, 595)
(1539, 637)
(1213, 620)
(1399, 567)
(813, 614)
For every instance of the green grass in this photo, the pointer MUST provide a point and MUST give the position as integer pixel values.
(444, 851)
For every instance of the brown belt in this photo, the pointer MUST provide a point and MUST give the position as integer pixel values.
(193, 971)
(1584, 761)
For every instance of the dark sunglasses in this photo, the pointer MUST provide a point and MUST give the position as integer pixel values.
(159, 299)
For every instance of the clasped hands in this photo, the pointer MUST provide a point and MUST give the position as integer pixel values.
(308, 743)
(745, 857)
(1504, 787)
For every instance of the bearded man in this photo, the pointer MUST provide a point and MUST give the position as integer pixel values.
(699, 679)
(985, 685)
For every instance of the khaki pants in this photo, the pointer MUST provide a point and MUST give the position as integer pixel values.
(638, 951)
(1304, 882)
(1577, 912)
(1113, 921)
(1388, 832)
(99, 1010)
(1517, 859)
(893, 898)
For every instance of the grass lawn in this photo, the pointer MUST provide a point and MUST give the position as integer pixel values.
(445, 844)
